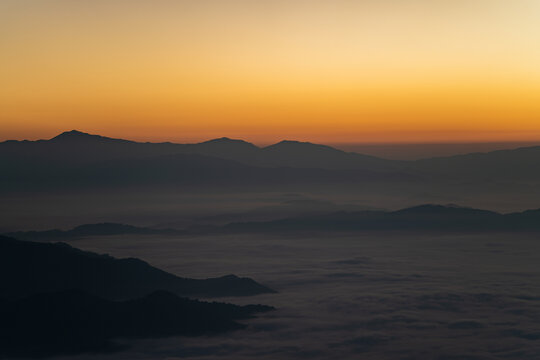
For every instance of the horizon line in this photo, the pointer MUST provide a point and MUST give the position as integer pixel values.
(398, 151)
(267, 143)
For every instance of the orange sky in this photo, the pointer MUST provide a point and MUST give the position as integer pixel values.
(323, 71)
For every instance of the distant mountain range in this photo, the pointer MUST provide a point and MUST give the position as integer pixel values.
(102, 229)
(27, 268)
(76, 160)
(522, 164)
(439, 218)
(284, 209)
(436, 218)
(86, 148)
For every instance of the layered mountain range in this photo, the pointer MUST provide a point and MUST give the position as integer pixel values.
(428, 217)
(433, 218)
(78, 160)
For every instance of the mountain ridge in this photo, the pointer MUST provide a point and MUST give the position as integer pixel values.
(75, 150)
(97, 229)
(427, 217)
(224, 147)
(77, 134)
(28, 268)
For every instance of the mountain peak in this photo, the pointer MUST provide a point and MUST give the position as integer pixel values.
(227, 141)
(222, 139)
(293, 142)
(72, 133)
(77, 136)
(300, 145)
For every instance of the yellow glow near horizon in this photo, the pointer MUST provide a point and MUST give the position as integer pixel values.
(326, 71)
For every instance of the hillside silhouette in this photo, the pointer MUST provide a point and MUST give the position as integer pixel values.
(71, 322)
(28, 268)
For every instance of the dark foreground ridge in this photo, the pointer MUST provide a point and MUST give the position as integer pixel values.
(101, 229)
(28, 268)
(436, 218)
(72, 322)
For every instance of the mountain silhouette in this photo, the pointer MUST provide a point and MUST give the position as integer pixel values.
(28, 268)
(79, 163)
(419, 218)
(71, 322)
(305, 154)
(79, 147)
(25, 159)
(223, 147)
(75, 136)
(101, 229)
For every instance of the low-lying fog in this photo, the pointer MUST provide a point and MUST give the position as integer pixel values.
(369, 296)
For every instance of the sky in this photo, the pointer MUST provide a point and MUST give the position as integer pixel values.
(341, 71)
